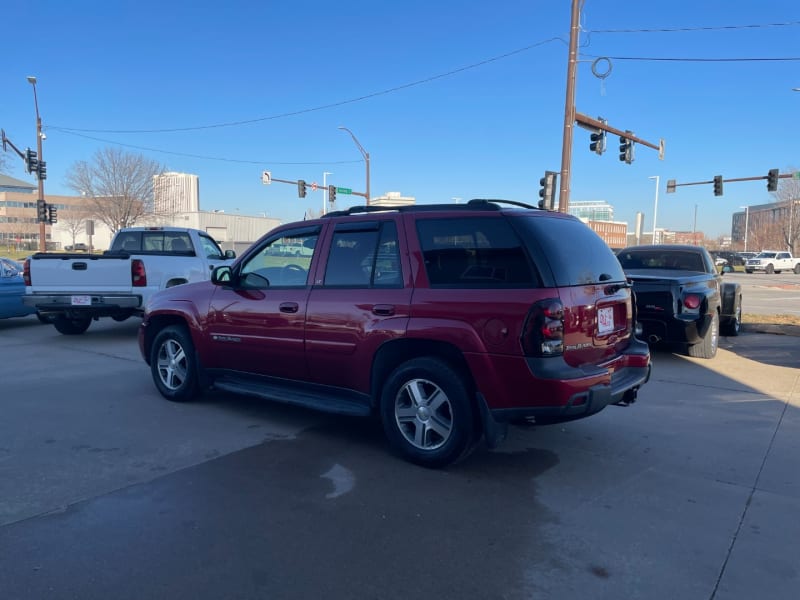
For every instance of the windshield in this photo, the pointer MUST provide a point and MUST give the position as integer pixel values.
(766, 255)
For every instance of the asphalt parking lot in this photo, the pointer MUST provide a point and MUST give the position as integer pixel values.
(107, 491)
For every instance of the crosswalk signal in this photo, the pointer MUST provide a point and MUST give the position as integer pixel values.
(772, 180)
(41, 211)
(301, 189)
(331, 194)
(718, 185)
(52, 214)
(547, 191)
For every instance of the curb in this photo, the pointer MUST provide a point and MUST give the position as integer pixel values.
(793, 330)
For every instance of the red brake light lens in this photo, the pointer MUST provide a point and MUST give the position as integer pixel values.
(692, 301)
(138, 274)
(543, 333)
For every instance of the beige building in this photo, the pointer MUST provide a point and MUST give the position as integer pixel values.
(176, 193)
(19, 229)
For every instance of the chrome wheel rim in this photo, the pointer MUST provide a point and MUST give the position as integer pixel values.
(172, 365)
(424, 414)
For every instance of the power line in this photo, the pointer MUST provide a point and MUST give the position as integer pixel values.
(217, 158)
(706, 28)
(667, 59)
(316, 108)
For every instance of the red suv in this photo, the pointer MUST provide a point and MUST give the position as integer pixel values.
(448, 321)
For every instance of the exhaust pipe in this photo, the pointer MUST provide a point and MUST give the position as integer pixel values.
(653, 338)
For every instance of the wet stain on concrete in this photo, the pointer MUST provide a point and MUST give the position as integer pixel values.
(267, 521)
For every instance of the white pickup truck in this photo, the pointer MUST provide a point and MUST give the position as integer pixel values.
(70, 290)
(772, 261)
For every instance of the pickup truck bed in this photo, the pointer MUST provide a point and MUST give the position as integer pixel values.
(71, 290)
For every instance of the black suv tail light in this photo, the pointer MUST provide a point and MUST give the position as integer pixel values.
(543, 333)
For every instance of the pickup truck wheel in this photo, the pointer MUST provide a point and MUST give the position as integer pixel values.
(427, 414)
(797, 269)
(708, 347)
(770, 269)
(732, 325)
(68, 326)
(173, 364)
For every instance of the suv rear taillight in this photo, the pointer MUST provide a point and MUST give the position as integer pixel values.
(543, 333)
(26, 272)
(138, 274)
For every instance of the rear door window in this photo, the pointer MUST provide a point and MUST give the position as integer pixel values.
(474, 252)
(364, 255)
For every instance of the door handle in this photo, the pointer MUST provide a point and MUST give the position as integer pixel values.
(383, 310)
(289, 307)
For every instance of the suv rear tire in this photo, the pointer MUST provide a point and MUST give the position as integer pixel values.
(427, 414)
(173, 363)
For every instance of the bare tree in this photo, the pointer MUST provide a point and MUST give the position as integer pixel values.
(788, 195)
(118, 186)
(73, 222)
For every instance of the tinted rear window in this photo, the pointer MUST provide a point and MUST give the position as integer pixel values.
(474, 252)
(575, 253)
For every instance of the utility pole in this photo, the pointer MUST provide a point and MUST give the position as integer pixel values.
(39, 178)
(569, 108)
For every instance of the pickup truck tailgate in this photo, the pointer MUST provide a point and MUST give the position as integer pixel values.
(101, 273)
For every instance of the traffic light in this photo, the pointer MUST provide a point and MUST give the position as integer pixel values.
(626, 149)
(671, 184)
(41, 170)
(52, 213)
(31, 161)
(301, 188)
(547, 193)
(331, 194)
(772, 180)
(718, 185)
(598, 142)
(41, 211)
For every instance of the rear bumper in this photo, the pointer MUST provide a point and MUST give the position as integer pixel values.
(574, 392)
(101, 304)
(675, 330)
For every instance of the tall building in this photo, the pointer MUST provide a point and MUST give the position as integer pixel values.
(176, 193)
(592, 210)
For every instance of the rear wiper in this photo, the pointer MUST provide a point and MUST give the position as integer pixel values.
(615, 287)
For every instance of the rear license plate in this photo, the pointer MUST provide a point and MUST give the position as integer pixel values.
(81, 300)
(605, 320)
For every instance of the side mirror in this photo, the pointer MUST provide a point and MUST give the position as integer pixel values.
(222, 275)
(727, 269)
(230, 254)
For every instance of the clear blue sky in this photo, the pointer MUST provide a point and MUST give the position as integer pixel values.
(484, 118)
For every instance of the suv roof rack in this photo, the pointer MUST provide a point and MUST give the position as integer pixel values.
(474, 204)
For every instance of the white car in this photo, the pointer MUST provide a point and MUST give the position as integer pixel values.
(720, 262)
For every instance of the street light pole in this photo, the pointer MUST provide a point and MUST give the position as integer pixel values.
(42, 230)
(325, 191)
(746, 224)
(364, 153)
(655, 208)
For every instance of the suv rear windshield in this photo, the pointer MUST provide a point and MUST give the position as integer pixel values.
(576, 254)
